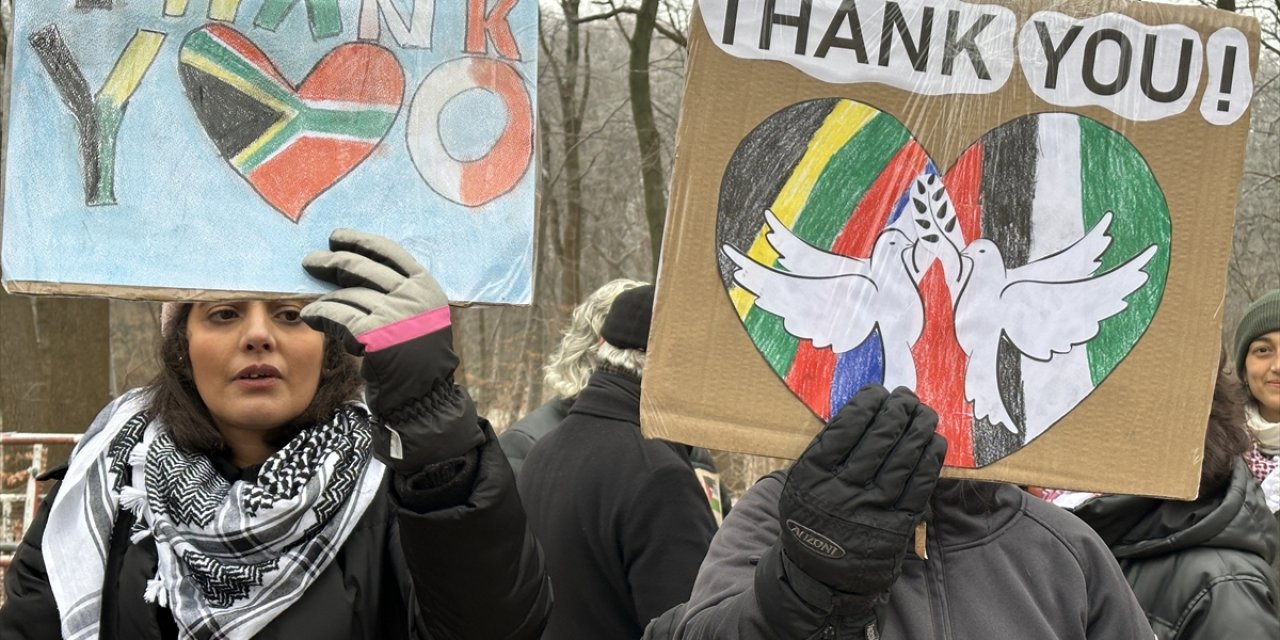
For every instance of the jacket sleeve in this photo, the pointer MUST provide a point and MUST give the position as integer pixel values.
(1238, 606)
(516, 445)
(669, 527)
(29, 610)
(743, 591)
(477, 570)
(1113, 611)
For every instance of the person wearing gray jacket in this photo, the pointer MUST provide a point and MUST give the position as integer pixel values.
(821, 551)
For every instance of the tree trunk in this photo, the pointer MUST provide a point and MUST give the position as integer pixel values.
(647, 135)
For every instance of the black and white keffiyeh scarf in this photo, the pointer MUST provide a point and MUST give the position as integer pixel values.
(232, 555)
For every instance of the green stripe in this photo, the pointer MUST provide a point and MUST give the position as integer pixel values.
(776, 345)
(367, 125)
(1114, 177)
(204, 44)
(847, 177)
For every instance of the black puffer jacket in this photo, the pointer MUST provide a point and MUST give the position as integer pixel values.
(466, 558)
(1200, 569)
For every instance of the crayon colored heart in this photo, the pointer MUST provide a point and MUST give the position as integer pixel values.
(1003, 291)
(290, 143)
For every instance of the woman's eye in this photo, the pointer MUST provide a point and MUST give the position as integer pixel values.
(289, 315)
(222, 315)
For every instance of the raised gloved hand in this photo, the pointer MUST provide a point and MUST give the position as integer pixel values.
(852, 500)
(391, 311)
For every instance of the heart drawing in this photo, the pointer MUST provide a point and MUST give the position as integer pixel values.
(290, 143)
(1003, 290)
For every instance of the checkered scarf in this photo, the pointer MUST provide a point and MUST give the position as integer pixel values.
(232, 555)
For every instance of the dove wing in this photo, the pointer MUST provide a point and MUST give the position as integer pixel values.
(832, 311)
(800, 257)
(1077, 261)
(1044, 318)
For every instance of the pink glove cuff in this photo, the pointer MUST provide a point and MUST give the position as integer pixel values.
(402, 331)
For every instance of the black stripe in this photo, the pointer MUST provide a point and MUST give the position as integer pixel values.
(1008, 194)
(74, 89)
(758, 170)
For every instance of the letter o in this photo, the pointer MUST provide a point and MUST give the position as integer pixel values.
(475, 182)
(1091, 62)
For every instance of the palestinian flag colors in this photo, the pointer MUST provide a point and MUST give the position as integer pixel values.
(291, 144)
(837, 173)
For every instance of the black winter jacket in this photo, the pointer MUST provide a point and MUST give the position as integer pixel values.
(1200, 569)
(465, 558)
(518, 440)
(622, 519)
(1001, 565)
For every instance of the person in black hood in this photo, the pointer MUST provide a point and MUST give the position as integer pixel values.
(823, 551)
(1200, 569)
(623, 520)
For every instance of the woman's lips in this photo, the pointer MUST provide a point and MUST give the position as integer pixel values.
(257, 376)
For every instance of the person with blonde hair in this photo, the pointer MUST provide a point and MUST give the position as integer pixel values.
(566, 372)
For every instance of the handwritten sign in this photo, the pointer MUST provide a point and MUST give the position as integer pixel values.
(193, 148)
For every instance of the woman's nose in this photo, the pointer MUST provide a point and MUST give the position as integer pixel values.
(259, 334)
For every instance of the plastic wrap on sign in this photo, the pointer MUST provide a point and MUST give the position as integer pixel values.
(198, 149)
(996, 205)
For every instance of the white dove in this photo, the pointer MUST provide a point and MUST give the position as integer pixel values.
(1046, 307)
(836, 301)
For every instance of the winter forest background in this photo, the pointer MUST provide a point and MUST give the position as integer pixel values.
(611, 75)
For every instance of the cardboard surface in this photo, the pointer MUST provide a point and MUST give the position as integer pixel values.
(1013, 215)
(198, 149)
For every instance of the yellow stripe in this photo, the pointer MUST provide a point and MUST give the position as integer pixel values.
(131, 66)
(261, 140)
(837, 130)
(224, 10)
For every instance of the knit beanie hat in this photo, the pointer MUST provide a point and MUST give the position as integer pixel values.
(1262, 317)
(627, 325)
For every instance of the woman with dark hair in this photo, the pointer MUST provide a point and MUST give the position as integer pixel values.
(246, 492)
(1257, 353)
(1200, 569)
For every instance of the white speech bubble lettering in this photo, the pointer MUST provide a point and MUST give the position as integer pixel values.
(1111, 61)
(932, 47)
(1230, 85)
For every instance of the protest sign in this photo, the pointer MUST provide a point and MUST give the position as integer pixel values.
(1021, 210)
(199, 148)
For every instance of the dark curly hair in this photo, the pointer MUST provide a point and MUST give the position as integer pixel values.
(1226, 439)
(174, 400)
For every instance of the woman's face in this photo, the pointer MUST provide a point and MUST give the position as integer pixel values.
(255, 363)
(1262, 374)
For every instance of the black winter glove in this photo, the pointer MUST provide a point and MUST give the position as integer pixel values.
(852, 500)
(392, 312)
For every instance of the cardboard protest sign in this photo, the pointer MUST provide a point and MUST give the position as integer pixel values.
(199, 148)
(1021, 210)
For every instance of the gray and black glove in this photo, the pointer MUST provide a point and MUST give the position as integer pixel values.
(392, 312)
(852, 500)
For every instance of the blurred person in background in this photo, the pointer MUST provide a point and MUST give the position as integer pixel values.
(567, 371)
(1257, 358)
(623, 520)
(247, 492)
(1201, 569)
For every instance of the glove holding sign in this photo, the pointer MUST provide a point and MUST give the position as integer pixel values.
(852, 501)
(392, 312)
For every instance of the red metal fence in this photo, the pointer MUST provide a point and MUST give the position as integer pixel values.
(23, 457)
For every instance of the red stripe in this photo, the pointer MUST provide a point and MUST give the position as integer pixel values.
(940, 361)
(356, 72)
(870, 216)
(236, 41)
(812, 371)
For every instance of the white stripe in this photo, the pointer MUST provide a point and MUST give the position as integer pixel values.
(1053, 388)
(312, 134)
(343, 105)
